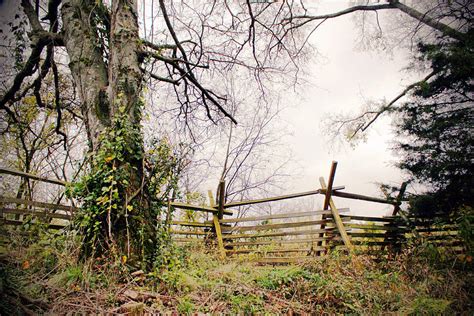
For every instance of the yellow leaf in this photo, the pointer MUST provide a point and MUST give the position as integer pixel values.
(26, 265)
(109, 159)
(124, 259)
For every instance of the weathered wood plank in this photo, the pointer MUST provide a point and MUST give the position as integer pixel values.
(190, 240)
(376, 227)
(9, 200)
(32, 176)
(353, 196)
(216, 224)
(184, 232)
(43, 213)
(221, 201)
(191, 207)
(277, 242)
(237, 251)
(278, 198)
(274, 226)
(337, 219)
(368, 218)
(191, 224)
(280, 260)
(276, 234)
(376, 235)
(327, 198)
(278, 216)
(16, 223)
(361, 243)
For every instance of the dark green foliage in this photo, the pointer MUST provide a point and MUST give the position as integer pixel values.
(465, 221)
(437, 128)
(123, 207)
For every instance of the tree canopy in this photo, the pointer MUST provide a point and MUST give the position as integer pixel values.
(436, 127)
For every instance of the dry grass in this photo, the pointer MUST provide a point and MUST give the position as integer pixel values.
(45, 277)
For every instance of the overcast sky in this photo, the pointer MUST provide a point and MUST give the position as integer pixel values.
(339, 83)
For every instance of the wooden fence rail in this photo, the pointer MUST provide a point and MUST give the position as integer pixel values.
(288, 237)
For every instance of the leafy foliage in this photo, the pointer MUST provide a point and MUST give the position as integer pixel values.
(437, 128)
(122, 211)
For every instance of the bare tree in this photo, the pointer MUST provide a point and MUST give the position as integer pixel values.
(109, 62)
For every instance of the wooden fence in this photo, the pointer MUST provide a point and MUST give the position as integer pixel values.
(273, 238)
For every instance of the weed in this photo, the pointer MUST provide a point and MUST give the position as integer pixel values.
(185, 306)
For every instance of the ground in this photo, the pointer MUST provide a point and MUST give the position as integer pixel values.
(43, 277)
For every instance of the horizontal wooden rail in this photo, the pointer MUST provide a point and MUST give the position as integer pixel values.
(278, 216)
(32, 176)
(278, 260)
(191, 207)
(185, 232)
(371, 243)
(34, 213)
(237, 251)
(368, 218)
(334, 192)
(191, 224)
(16, 223)
(197, 239)
(277, 242)
(353, 196)
(278, 198)
(8, 200)
(279, 234)
(374, 235)
(274, 226)
(376, 227)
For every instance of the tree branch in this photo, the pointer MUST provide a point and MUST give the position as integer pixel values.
(363, 126)
(188, 72)
(425, 19)
(159, 78)
(392, 4)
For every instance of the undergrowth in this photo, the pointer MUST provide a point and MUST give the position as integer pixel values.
(46, 277)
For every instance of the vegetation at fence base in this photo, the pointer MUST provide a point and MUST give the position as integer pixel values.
(120, 203)
(46, 276)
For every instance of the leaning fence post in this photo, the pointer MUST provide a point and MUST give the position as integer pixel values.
(335, 214)
(221, 199)
(326, 201)
(396, 209)
(217, 226)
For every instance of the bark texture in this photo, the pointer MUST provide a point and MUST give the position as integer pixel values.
(87, 66)
(109, 81)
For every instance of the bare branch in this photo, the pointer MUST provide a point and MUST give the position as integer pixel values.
(175, 82)
(188, 72)
(392, 4)
(57, 101)
(364, 120)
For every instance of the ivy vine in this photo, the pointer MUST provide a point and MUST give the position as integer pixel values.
(123, 212)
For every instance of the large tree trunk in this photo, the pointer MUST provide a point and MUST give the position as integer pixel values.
(87, 66)
(125, 77)
(110, 91)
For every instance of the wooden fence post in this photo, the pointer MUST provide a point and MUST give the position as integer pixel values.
(396, 209)
(337, 218)
(326, 202)
(217, 226)
(221, 199)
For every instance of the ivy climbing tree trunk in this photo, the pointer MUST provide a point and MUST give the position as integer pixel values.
(110, 85)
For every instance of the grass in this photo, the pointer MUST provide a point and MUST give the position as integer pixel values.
(47, 278)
